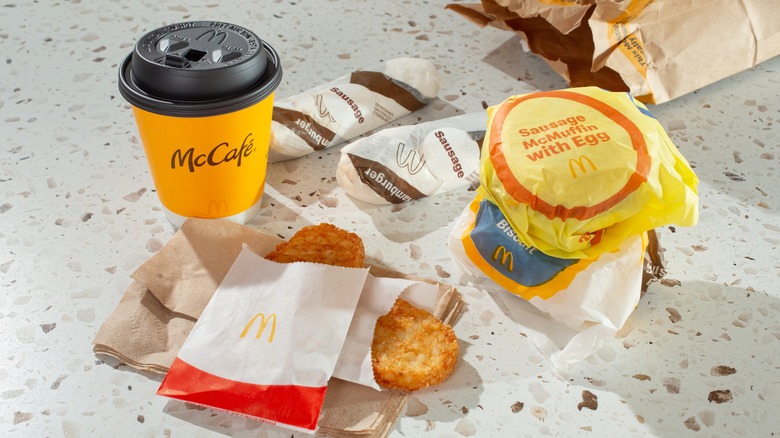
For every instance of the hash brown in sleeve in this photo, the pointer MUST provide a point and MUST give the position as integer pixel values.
(412, 349)
(323, 243)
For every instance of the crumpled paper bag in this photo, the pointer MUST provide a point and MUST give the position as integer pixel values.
(171, 289)
(656, 49)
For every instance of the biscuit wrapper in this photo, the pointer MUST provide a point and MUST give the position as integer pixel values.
(405, 163)
(352, 105)
(576, 172)
(576, 304)
(657, 50)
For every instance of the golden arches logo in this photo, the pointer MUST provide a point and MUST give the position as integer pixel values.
(212, 35)
(263, 323)
(580, 162)
(507, 259)
(217, 207)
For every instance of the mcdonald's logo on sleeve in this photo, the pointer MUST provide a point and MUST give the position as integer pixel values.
(580, 163)
(507, 259)
(263, 324)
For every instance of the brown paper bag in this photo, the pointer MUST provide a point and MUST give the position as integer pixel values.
(656, 49)
(171, 289)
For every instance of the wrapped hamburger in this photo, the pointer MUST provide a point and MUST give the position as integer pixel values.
(409, 162)
(571, 181)
(347, 107)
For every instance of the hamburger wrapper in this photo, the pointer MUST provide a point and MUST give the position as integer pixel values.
(405, 163)
(171, 295)
(330, 114)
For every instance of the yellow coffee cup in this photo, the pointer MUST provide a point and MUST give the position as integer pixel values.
(202, 95)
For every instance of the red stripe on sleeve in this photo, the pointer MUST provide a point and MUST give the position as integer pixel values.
(293, 405)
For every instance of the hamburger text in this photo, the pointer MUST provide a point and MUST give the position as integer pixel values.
(313, 134)
(388, 185)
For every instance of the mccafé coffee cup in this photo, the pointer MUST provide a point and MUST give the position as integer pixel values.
(202, 95)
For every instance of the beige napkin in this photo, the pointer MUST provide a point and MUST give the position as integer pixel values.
(171, 289)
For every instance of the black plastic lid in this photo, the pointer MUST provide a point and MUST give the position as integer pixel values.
(199, 68)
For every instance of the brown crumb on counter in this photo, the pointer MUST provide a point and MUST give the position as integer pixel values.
(589, 400)
(722, 370)
(720, 396)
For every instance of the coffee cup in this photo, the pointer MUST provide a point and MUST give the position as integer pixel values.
(202, 95)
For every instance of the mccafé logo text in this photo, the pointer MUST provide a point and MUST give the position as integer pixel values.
(219, 154)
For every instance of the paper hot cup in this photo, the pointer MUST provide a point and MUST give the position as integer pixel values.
(202, 95)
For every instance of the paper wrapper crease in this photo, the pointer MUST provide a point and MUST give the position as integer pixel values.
(656, 49)
(171, 289)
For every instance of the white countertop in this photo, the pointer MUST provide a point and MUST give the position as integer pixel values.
(78, 214)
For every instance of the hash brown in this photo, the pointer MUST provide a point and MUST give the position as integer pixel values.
(323, 243)
(412, 349)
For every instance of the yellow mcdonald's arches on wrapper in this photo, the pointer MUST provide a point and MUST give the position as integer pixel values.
(261, 329)
(577, 171)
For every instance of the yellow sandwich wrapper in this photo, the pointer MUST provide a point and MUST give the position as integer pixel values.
(576, 172)
(573, 184)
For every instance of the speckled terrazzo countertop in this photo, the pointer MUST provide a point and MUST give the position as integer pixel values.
(78, 213)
